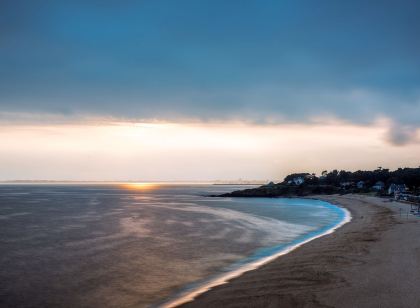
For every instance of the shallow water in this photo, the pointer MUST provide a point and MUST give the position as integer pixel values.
(133, 245)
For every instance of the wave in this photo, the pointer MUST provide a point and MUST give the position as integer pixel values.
(261, 257)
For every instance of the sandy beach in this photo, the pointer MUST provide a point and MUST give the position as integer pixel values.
(373, 261)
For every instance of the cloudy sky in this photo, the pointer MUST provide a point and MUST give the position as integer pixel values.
(203, 90)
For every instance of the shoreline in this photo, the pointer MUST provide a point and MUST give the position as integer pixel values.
(370, 262)
(190, 295)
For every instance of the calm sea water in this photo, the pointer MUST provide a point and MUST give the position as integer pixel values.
(133, 245)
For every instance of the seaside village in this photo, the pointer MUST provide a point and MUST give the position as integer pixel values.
(397, 191)
(401, 185)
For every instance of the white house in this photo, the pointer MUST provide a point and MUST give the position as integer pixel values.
(297, 180)
(394, 188)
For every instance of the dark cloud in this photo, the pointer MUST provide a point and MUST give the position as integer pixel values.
(400, 135)
(253, 60)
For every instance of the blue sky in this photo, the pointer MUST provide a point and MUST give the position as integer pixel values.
(256, 60)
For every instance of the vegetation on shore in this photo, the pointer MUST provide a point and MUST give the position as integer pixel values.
(381, 181)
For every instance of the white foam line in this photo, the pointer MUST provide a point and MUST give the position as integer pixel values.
(192, 294)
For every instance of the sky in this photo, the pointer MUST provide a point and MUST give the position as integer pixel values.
(204, 90)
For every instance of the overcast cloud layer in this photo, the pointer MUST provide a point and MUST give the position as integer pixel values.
(253, 60)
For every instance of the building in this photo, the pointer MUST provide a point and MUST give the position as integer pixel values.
(379, 185)
(360, 184)
(394, 188)
(346, 185)
(297, 180)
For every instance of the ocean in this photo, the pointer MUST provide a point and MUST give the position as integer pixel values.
(137, 245)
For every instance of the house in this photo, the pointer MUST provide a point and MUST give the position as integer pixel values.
(394, 188)
(379, 185)
(360, 184)
(297, 180)
(346, 184)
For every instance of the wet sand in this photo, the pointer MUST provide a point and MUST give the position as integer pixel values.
(373, 261)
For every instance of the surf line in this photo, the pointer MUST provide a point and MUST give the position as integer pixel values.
(190, 295)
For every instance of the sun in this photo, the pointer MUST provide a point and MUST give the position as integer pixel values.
(140, 186)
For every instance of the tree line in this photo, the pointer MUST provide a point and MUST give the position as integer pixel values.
(408, 176)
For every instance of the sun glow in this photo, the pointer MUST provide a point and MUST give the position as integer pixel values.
(141, 186)
(145, 154)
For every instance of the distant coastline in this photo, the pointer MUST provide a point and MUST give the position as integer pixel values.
(226, 183)
(237, 184)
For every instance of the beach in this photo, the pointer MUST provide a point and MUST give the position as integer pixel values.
(373, 261)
